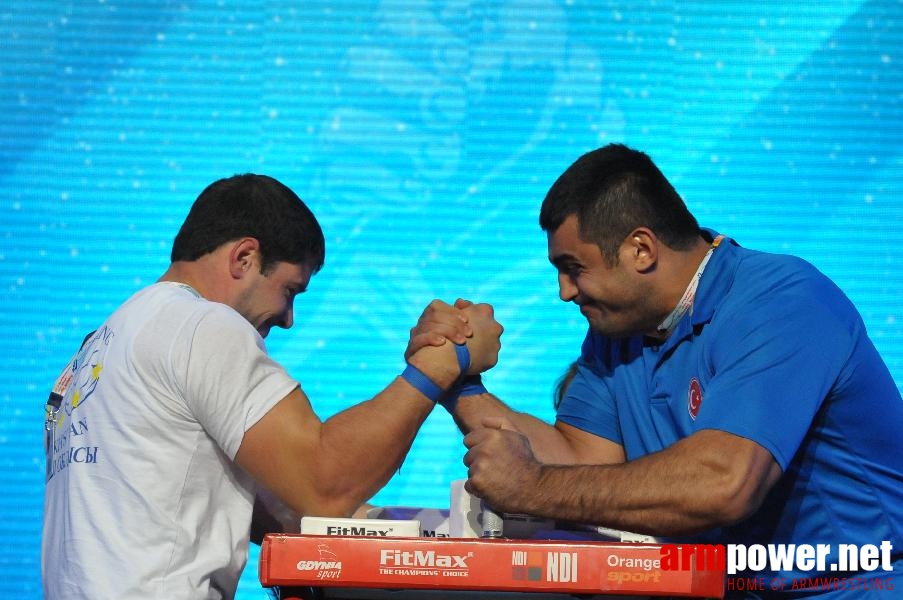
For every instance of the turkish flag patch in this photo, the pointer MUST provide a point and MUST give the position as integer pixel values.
(694, 398)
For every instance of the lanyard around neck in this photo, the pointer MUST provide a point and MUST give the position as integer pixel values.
(686, 302)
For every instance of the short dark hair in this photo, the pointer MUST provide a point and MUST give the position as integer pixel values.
(255, 206)
(612, 191)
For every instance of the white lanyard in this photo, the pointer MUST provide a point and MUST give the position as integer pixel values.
(686, 302)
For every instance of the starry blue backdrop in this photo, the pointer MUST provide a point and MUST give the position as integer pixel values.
(423, 134)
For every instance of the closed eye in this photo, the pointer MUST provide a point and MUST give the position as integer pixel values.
(571, 269)
(567, 265)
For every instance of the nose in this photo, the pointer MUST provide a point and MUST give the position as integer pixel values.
(567, 291)
(288, 317)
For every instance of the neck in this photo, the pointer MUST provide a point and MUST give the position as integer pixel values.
(196, 275)
(687, 262)
(681, 287)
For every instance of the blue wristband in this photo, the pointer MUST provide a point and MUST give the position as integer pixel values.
(421, 382)
(470, 385)
(463, 354)
(426, 386)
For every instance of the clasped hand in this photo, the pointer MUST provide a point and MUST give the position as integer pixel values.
(465, 322)
(501, 467)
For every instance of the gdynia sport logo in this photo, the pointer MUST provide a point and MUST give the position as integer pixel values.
(832, 570)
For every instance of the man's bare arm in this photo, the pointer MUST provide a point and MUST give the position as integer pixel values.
(331, 467)
(709, 479)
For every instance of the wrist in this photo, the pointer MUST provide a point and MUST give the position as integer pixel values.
(432, 379)
(438, 363)
(535, 478)
(468, 385)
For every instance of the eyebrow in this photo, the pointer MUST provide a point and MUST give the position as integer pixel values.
(561, 259)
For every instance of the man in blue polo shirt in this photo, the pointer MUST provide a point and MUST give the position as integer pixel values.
(722, 394)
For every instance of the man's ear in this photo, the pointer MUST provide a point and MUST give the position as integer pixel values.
(642, 249)
(244, 256)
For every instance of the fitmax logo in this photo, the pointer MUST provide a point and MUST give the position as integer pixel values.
(337, 530)
(420, 558)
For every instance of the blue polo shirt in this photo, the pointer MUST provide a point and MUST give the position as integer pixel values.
(774, 352)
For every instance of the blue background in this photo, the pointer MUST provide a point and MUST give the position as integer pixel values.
(424, 135)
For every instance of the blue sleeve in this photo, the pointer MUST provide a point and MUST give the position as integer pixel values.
(588, 403)
(774, 362)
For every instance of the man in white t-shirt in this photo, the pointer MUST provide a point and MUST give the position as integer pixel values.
(171, 420)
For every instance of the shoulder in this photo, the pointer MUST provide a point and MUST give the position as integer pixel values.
(167, 312)
(601, 353)
(769, 266)
(784, 291)
(221, 326)
(766, 278)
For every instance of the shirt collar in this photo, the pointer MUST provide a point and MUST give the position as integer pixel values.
(716, 280)
(713, 285)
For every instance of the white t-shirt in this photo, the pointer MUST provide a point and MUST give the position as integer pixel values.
(142, 497)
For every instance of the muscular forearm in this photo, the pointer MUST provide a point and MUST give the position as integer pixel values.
(359, 450)
(622, 497)
(693, 486)
(362, 447)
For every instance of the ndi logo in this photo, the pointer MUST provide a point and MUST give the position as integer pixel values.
(561, 567)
